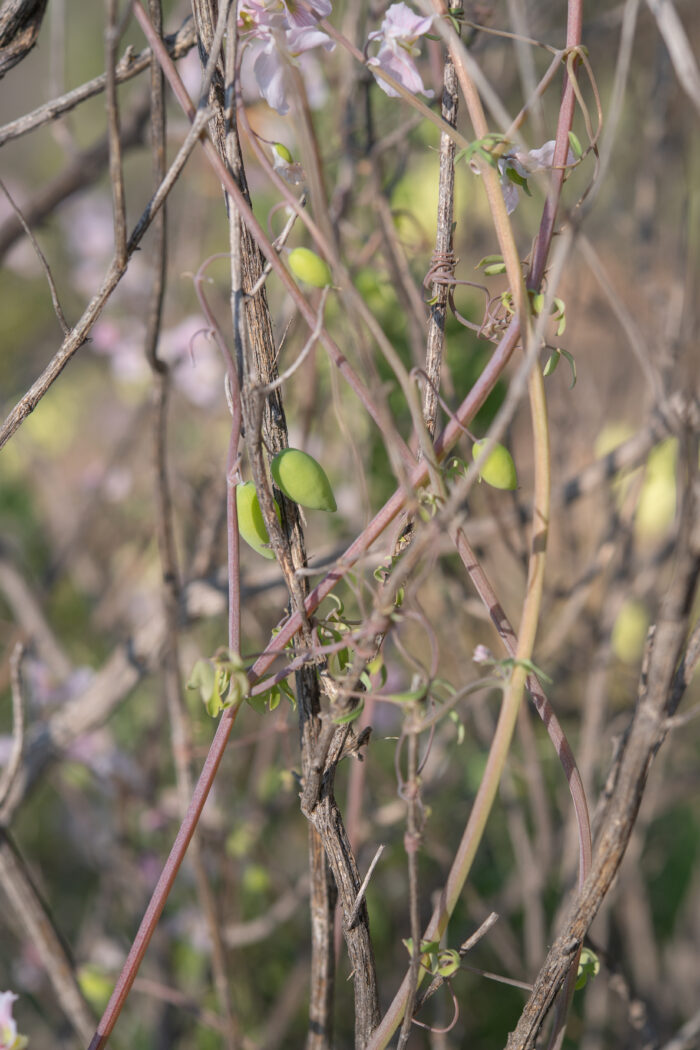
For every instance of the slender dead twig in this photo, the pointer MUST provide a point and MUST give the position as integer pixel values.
(84, 169)
(177, 44)
(116, 171)
(42, 259)
(352, 918)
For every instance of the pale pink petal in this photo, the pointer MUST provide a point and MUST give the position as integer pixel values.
(298, 16)
(543, 158)
(402, 68)
(400, 30)
(510, 194)
(303, 38)
(401, 21)
(270, 76)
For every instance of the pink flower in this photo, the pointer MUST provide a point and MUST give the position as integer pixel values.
(278, 32)
(482, 655)
(9, 1037)
(517, 166)
(397, 51)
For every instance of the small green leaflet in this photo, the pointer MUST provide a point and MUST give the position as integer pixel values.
(576, 147)
(553, 361)
(588, 966)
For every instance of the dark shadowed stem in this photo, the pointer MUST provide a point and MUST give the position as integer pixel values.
(116, 173)
(443, 257)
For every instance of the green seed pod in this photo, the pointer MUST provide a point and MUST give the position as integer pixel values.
(309, 267)
(302, 479)
(499, 468)
(250, 520)
(283, 152)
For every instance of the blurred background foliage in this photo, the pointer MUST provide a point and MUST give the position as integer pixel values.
(77, 525)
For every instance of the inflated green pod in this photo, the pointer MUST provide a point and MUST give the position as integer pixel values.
(310, 267)
(302, 479)
(499, 468)
(250, 520)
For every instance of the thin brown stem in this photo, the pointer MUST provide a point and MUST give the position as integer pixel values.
(116, 172)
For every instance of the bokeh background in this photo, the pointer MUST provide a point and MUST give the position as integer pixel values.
(80, 579)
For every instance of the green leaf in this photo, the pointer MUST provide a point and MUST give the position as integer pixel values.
(537, 300)
(494, 269)
(559, 310)
(275, 697)
(588, 966)
(437, 684)
(459, 724)
(572, 364)
(285, 688)
(576, 147)
(411, 696)
(376, 665)
(283, 152)
(214, 704)
(203, 679)
(551, 363)
(488, 260)
(350, 716)
(513, 175)
(531, 668)
(426, 947)
(258, 702)
(448, 962)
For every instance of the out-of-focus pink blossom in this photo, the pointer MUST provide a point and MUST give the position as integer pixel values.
(197, 368)
(278, 32)
(45, 691)
(482, 655)
(397, 53)
(10, 1039)
(523, 163)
